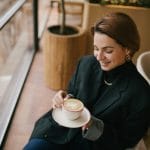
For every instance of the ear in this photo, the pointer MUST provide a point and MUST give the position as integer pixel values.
(128, 55)
(128, 52)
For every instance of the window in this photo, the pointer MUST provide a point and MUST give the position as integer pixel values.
(18, 40)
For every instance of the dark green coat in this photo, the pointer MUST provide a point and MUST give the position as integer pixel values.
(124, 107)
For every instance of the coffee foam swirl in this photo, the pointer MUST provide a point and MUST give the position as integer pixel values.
(73, 105)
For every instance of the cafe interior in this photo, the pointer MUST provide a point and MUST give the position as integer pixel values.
(30, 73)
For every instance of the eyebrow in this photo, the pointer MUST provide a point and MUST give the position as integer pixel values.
(96, 47)
(108, 47)
(103, 47)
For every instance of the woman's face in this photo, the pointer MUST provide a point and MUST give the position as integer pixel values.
(108, 52)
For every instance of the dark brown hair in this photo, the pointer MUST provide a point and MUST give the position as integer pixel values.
(121, 28)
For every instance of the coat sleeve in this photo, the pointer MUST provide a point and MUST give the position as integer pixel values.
(95, 130)
(129, 132)
(137, 122)
(134, 125)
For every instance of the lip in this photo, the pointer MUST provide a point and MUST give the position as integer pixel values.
(104, 63)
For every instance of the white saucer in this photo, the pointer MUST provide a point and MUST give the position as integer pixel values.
(61, 119)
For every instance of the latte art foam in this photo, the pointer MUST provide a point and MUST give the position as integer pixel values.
(73, 105)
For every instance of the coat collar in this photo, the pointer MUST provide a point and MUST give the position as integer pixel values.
(112, 93)
(111, 96)
(91, 89)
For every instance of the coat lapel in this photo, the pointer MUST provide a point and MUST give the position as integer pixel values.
(111, 96)
(88, 89)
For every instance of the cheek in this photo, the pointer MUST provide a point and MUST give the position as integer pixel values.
(119, 59)
(95, 53)
(122, 57)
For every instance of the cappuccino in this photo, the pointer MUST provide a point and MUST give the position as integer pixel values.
(72, 108)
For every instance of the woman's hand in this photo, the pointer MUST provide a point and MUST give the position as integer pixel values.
(86, 126)
(59, 98)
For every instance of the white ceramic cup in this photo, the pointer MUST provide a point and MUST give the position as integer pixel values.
(72, 108)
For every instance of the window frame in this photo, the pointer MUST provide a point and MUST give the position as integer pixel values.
(15, 87)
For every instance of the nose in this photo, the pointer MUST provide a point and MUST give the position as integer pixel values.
(99, 55)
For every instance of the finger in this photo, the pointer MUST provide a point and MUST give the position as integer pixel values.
(53, 107)
(59, 101)
(62, 94)
(56, 106)
(67, 97)
(84, 127)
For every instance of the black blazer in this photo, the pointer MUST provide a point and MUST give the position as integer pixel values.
(124, 107)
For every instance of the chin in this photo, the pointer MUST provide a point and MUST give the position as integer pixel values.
(105, 68)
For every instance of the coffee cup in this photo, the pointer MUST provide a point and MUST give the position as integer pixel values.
(72, 108)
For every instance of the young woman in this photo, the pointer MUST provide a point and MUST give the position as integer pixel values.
(110, 87)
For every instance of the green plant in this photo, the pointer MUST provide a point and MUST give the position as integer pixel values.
(140, 3)
(144, 3)
(62, 29)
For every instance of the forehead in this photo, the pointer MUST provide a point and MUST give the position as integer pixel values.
(102, 40)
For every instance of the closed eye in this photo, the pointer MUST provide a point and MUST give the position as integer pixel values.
(108, 50)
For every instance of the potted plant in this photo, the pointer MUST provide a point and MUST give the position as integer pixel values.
(138, 9)
(63, 45)
(138, 3)
(63, 29)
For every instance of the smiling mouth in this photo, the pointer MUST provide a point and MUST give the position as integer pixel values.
(104, 63)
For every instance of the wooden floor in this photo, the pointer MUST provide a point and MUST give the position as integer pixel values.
(35, 98)
(34, 101)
